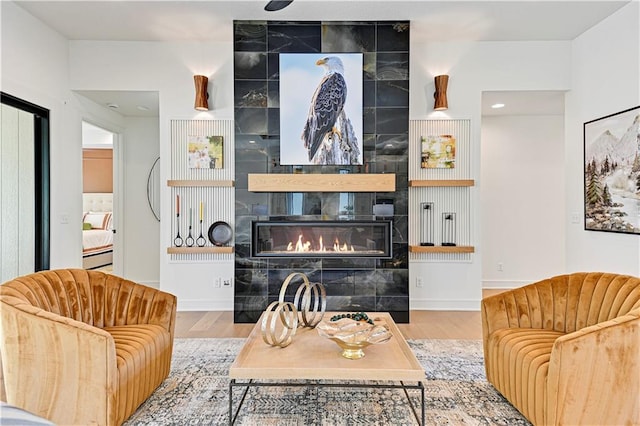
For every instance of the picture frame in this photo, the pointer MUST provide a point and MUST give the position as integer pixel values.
(205, 152)
(309, 135)
(438, 152)
(612, 172)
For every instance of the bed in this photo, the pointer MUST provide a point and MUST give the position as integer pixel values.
(97, 230)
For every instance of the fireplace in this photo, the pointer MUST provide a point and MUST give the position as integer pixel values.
(332, 238)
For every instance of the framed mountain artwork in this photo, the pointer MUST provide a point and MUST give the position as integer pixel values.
(612, 173)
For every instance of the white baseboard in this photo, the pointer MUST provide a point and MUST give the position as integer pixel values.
(154, 284)
(504, 284)
(205, 305)
(444, 305)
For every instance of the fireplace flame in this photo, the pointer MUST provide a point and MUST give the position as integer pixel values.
(305, 246)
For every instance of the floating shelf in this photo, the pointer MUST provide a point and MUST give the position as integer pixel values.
(199, 250)
(361, 182)
(441, 249)
(223, 183)
(441, 182)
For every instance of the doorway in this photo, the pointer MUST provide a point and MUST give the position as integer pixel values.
(133, 120)
(24, 188)
(523, 187)
(98, 231)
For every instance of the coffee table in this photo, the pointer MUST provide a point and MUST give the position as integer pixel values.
(313, 358)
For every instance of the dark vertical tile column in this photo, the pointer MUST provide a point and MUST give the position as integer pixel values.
(358, 284)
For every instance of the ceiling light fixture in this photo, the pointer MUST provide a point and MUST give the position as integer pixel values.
(440, 94)
(496, 106)
(113, 106)
(202, 96)
(276, 5)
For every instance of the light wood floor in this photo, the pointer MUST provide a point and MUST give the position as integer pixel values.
(423, 324)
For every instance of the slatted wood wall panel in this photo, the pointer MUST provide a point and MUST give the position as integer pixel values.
(445, 199)
(219, 202)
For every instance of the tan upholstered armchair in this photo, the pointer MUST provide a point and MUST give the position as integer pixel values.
(83, 347)
(566, 350)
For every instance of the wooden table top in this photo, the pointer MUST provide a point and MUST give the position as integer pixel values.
(313, 357)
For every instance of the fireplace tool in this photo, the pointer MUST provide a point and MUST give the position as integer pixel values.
(201, 241)
(177, 241)
(189, 241)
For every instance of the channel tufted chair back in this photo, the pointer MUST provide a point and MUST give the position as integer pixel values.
(92, 297)
(566, 350)
(83, 347)
(567, 303)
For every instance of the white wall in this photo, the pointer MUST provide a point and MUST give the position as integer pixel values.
(605, 79)
(35, 68)
(474, 68)
(522, 199)
(141, 231)
(168, 68)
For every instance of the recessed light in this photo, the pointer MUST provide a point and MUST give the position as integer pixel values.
(143, 108)
(496, 106)
(252, 141)
(113, 106)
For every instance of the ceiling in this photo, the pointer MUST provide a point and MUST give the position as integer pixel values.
(202, 20)
(212, 20)
(128, 103)
(528, 102)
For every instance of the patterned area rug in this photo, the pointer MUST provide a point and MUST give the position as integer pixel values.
(197, 393)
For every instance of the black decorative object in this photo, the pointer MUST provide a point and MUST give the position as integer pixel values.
(448, 229)
(153, 189)
(426, 224)
(220, 233)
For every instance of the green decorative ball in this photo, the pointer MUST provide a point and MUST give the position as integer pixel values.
(357, 316)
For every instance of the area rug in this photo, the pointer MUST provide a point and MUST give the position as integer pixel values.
(197, 393)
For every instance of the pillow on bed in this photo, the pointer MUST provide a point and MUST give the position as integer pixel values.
(98, 220)
(86, 226)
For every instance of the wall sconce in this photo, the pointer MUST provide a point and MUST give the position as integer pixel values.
(440, 94)
(202, 96)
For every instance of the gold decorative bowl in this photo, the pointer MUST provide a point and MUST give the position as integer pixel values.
(353, 336)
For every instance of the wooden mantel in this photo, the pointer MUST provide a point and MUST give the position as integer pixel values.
(361, 182)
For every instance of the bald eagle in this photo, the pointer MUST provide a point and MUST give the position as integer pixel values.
(326, 106)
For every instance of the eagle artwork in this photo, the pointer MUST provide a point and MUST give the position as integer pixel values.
(328, 134)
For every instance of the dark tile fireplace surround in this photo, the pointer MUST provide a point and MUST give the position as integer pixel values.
(354, 282)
